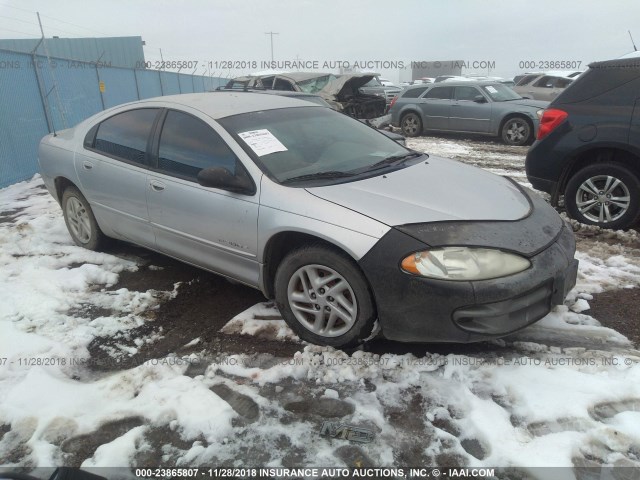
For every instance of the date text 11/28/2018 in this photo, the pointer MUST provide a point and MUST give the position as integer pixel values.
(315, 472)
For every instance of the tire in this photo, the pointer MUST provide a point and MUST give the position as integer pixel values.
(315, 287)
(411, 125)
(81, 222)
(516, 131)
(613, 204)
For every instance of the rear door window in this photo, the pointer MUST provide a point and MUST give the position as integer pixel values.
(125, 135)
(414, 92)
(442, 93)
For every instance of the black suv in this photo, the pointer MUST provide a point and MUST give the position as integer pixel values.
(588, 146)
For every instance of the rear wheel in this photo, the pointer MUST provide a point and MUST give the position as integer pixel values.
(80, 220)
(604, 194)
(324, 297)
(516, 131)
(411, 125)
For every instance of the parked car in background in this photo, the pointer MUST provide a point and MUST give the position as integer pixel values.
(526, 78)
(422, 80)
(343, 227)
(588, 146)
(452, 78)
(543, 87)
(342, 92)
(375, 87)
(487, 108)
(387, 83)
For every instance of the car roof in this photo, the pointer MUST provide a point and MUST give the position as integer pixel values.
(301, 76)
(227, 103)
(462, 83)
(620, 63)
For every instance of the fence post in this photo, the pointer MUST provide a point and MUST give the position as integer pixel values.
(43, 98)
(101, 95)
(135, 78)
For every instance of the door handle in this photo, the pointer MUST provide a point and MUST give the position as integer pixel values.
(157, 186)
(87, 165)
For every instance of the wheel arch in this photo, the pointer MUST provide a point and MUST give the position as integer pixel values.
(281, 243)
(411, 109)
(61, 184)
(511, 115)
(599, 153)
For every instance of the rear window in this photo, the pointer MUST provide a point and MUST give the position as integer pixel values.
(597, 81)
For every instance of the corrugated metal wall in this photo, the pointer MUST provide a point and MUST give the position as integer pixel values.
(35, 98)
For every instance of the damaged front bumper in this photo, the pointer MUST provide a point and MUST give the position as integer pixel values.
(412, 308)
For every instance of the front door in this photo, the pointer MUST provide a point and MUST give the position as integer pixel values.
(211, 228)
(467, 114)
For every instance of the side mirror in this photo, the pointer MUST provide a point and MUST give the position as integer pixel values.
(479, 99)
(219, 177)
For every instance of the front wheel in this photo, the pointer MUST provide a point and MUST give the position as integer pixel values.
(411, 125)
(516, 131)
(604, 194)
(324, 297)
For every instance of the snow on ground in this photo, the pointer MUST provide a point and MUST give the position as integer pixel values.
(563, 392)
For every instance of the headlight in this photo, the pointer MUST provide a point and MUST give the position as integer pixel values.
(539, 114)
(464, 264)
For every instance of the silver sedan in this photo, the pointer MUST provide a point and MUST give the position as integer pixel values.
(344, 227)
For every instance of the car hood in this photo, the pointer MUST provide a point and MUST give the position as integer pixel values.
(433, 190)
(344, 85)
(526, 102)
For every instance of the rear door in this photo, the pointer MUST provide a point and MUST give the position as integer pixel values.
(468, 115)
(211, 228)
(436, 107)
(113, 168)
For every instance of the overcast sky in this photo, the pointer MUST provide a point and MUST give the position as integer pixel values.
(502, 32)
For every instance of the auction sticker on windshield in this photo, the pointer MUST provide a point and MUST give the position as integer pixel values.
(262, 142)
(491, 89)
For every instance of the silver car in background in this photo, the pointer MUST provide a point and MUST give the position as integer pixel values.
(486, 108)
(345, 228)
(543, 87)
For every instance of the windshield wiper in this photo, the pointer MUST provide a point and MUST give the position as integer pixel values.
(394, 159)
(318, 176)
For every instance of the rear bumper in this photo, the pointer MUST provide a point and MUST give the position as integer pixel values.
(543, 184)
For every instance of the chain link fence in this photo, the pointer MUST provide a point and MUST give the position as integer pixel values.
(39, 95)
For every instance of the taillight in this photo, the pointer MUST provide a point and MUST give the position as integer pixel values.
(551, 118)
(393, 101)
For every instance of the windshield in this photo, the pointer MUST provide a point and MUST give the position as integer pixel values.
(311, 141)
(314, 85)
(500, 93)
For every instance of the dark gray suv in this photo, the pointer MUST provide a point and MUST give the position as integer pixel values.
(588, 146)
